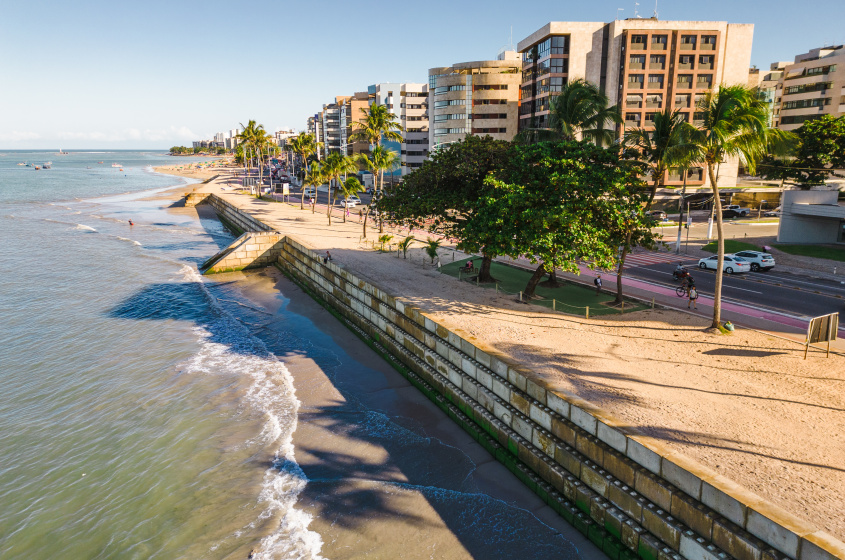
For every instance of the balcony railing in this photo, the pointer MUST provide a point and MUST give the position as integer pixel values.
(637, 46)
(684, 85)
(635, 85)
(687, 46)
(635, 65)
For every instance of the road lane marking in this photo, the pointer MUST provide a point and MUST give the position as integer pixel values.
(744, 290)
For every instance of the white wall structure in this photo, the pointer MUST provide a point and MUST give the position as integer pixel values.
(811, 217)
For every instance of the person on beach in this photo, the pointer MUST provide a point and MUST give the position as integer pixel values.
(693, 295)
(327, 258)
(597, 282)
(130, 223)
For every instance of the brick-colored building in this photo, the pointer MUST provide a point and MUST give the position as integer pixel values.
(643, 65)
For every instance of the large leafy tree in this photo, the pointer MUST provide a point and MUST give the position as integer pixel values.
(733, 125)
(820, 151)
(559, 203)
(440, 196)
(336, 166)
(579, 110)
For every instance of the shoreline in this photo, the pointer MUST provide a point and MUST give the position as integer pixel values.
(705, 409)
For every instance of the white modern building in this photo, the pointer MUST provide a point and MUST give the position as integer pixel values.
(811, 217)
(409, 102)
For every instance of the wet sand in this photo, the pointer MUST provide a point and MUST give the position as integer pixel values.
(390, 475)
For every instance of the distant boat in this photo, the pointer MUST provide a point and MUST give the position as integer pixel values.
(61, 153)
(29, 165)
(116, 165)
(99, 162)
(48, 165)
(22, 163)
(37, 168)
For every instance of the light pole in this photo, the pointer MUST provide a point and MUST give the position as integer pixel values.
(681, 211)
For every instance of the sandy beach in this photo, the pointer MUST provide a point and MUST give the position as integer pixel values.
(745, 405)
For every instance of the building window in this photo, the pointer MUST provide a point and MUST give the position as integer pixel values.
(658, 42)
(688, 42)
(698, 117)
(560, 44)
(443, 131)
(807, 88)
(489, 87)
(655, 81)
(797, 119)
(705, 62)
(559, 65)
(446, 89)
(490, 101)
(637, 62)
(449, 117)
(685, 62)
(657, 62)
(682, 101)
(649, 118)
(489, 130)
(638, 42)
(448, 102)
(490, 116)
(708, 42)
(632, 119)
(635, 81)
(704, 81)
(805, 103)
(685, 81)
(821, 70)
(634, 101)
(654, 102)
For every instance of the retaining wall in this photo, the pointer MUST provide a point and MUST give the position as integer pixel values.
(250, 250)
(628, 493)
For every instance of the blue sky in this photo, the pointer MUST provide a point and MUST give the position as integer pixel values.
(153, 74)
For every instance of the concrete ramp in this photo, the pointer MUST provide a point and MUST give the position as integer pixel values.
(250, 250)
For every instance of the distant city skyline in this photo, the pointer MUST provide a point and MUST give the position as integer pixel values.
(154, 74)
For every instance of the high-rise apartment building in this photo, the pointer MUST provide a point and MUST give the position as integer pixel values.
(766, 85)
(350, 113)
(409, 102)
(812, 86)
(643, 65)
(480, 97)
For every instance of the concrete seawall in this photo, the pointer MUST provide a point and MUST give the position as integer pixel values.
(626, 492)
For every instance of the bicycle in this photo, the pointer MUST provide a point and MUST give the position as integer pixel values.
(681, 291)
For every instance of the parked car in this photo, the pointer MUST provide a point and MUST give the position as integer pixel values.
(739, 209)
(658, 215)
(732, 264)
(350, 201)
(309, 192)
(758, 259)
(730, 214)
(773, 213)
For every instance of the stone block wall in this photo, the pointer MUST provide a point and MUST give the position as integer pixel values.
(626, 492)
(250, 250)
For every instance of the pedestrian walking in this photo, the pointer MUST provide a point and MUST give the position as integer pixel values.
(597, 282)
(693, 295)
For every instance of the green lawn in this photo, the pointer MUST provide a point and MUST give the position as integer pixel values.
(732, 246)
(817, 251)
(569, 298)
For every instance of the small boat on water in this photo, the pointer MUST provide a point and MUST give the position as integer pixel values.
(48, 165)
(61, 153)
(22, 163)
(99, 162)
(29, 165)
(116, 165)
(37, 168)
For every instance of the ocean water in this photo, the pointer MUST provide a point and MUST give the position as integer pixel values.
(138, 417)
(147, 412)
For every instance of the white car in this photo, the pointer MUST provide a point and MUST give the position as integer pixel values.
(350, 201)
(732, 264)
(309, 192)
(758, 259)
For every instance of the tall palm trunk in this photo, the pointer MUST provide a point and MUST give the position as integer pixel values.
(304, 170)
(381, 189)
(366, 214)
(331, 202)
(720, 263)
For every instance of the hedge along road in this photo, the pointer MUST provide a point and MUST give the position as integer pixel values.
(768, 290)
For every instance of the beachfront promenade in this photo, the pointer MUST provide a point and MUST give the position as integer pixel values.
(746, 406)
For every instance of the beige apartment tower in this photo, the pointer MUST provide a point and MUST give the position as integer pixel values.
(480, 97)
(643, 65)
(812, 86)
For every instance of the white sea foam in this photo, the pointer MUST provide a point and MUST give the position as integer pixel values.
(85, 228)
(130, 240)
(226, 345)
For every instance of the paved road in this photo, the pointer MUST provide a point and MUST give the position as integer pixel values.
(786, 293)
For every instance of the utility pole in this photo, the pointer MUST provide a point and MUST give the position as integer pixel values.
(681, 212)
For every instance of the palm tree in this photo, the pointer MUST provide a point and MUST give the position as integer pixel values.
(384, 239)
(405, 244)
(660, 147)
(314, 178)
(733, 125)
(378, 123)
(431, 248)
(336, 165)
(377, 163)
(304, 145)
(349, 187)
(580, 110)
